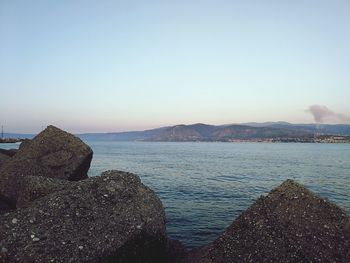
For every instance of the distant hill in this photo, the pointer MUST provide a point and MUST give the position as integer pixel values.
(204, 132)
(122, 136)
(228, 132)
(200, 132)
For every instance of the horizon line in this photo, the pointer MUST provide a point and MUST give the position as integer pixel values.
(173, 125)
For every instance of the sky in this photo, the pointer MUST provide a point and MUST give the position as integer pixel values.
(102, 66)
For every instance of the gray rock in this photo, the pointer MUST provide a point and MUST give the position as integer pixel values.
(34, 187)
(3, 158)
(53, 154)
(291, 224)
(6, 155)
(108, 218)
(24, 143)
(9, 153)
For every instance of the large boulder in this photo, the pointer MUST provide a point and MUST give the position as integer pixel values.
(108, 218)
(52, 154)
(291, 224)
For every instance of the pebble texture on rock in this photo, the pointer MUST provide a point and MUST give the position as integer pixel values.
(3, 158)
(291, 224)
(108, 218)
(9, 153)
(53, 154)
(34, 187)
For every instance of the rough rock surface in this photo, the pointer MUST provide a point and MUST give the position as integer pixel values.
(9, 153)
(3, 158)
(108, 218)
(53, 154)
(34, 187)
(24, 143)
(291, 224)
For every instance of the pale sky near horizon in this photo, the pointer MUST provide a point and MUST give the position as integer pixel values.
(95, 66)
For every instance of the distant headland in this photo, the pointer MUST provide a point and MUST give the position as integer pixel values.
(246, 132)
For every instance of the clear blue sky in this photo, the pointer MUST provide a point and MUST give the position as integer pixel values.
(126, 65)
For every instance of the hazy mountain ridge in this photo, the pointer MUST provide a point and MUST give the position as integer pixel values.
(203, 132)
(228, 132)
(122, 136)
(206, 132)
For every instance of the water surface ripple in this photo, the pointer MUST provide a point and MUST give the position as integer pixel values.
(205, 186)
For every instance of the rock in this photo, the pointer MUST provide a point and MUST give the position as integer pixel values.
(9, 153)
(3, 158)
(52, 154)
(176, 252)
(288, 225)
(5, 205)
(93, 220)
(25, 143)
(6, 155)
(34, 187)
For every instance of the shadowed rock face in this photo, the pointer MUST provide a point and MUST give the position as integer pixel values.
(6, 155)
(53, 154)
(291, 224)
(108, 218)
(9, 153)
(3, 158)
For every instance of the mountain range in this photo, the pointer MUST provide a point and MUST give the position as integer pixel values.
(228, 132)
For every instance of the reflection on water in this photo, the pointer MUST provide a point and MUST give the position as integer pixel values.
(204, 186)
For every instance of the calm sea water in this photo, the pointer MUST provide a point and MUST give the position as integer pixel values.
(205, 186)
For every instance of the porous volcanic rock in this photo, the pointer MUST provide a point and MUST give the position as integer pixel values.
(53, 154)
(108, 218)
(9, 152)
(25, 143)
(3, 158)
(34, 187)
(291, 224)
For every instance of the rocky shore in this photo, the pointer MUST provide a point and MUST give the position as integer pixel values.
(50, 211)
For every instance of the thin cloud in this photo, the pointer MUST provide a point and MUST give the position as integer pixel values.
(322, 114)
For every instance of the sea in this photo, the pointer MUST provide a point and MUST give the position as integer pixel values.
(204, 186)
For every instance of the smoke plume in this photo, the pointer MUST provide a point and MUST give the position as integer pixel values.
(322, 114)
